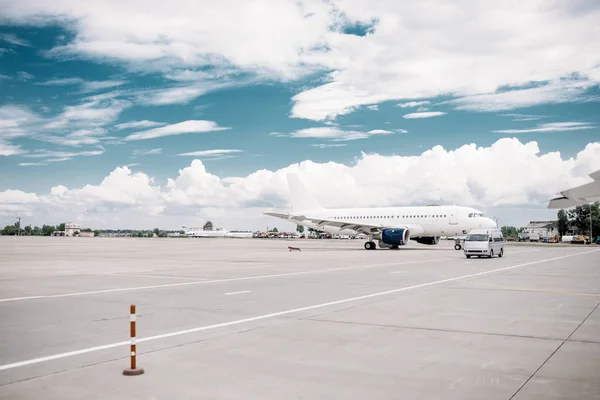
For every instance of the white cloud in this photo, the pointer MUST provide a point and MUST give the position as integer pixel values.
(176, 95)
(210, 153)
(95, 112)
(564, 91)
(24, 76)
(374, 107)
(379, 132)
(138, 124)
(401, 131)
(524, 117)
(93, 86)
(412, 104)
(140, 152)
(327, 145)
(551, 127)
(334, 133)
(59, 159)
(427, 114)
(62, 82)
(14, 39)
(192, 126)
(31, 164)
(63, 154)
(13, 119)
(87, 86)
(470, 51)
(14, 122)
(466, 176)
(7, 149)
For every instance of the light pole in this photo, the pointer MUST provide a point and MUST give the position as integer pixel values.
(19, 227)
(590, 223)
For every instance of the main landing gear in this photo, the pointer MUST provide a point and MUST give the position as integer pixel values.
(457, 245)
(370, 245)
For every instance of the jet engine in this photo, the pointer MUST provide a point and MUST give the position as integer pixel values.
(395, 237)
(428, 240)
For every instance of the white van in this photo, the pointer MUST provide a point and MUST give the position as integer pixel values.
(484, 243)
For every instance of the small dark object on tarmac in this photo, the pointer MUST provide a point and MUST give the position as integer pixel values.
(294, 248)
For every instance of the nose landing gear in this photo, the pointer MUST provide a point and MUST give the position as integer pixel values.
(457, 245)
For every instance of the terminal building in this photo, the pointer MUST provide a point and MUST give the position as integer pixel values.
(73, 230)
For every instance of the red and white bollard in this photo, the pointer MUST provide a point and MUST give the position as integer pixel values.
(132, 351)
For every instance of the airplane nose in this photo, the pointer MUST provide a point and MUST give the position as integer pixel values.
(490, 223)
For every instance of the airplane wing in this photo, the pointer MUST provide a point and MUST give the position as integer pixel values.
(367, 229)
(579, 195)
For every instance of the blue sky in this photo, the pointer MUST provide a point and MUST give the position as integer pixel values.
(85, 94)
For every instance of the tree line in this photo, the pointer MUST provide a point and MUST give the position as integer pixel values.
(45, 230)
(578, 217)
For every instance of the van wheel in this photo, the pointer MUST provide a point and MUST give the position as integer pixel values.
(468, 256)
(491, 254)
(501, 253)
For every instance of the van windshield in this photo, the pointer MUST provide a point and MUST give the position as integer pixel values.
(477, 238)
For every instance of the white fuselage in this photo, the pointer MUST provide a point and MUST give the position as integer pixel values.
(422, 221)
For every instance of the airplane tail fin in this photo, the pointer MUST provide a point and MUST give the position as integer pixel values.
(301, 199)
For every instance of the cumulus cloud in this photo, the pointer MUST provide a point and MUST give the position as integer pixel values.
(192, 126)
(468, 176)
(551, 127)
(374, 107)
(427, 114)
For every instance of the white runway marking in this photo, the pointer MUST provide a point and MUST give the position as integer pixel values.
(280, 313)
(397, 272)
(201, 282)
(183, 278)
(232, 293)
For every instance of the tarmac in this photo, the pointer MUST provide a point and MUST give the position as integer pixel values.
(249, 319)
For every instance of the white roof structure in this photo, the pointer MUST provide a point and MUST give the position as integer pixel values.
(584, 194)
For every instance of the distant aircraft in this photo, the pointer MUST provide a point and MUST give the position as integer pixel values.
(219, 232)
(390, 226)
(584, 194)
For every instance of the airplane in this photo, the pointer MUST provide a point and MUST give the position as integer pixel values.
(579, 195)
(390, 226)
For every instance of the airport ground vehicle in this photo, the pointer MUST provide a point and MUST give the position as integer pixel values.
(484, 243)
